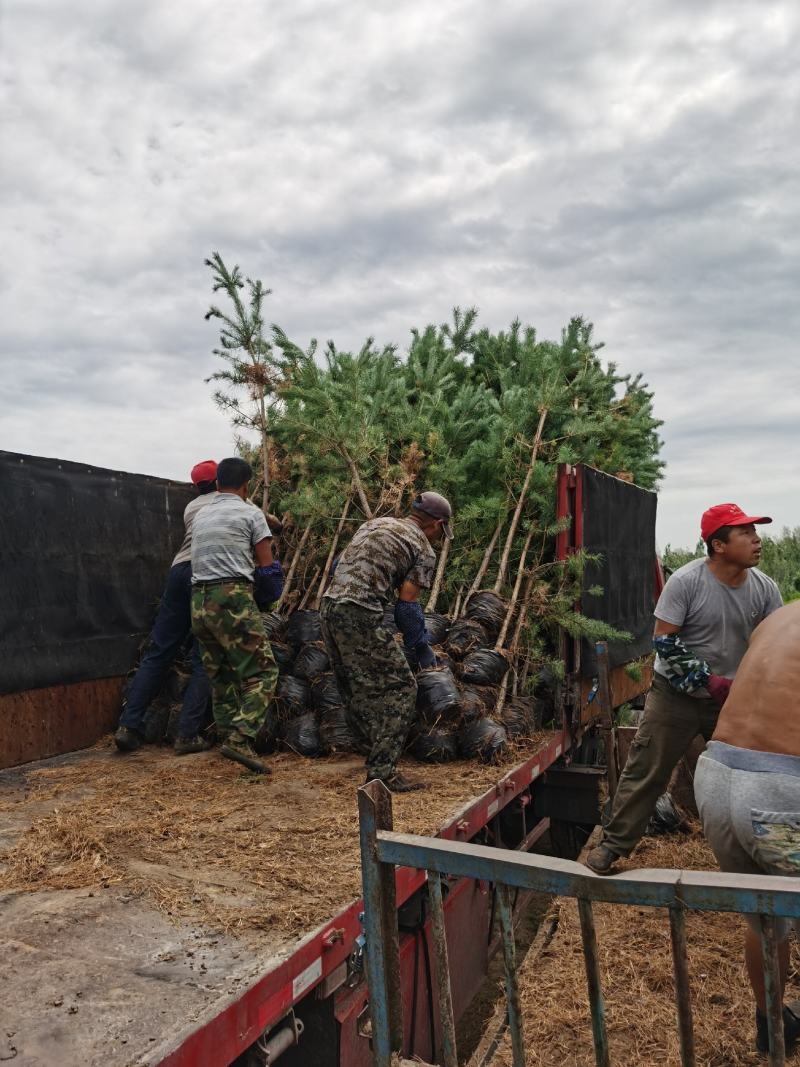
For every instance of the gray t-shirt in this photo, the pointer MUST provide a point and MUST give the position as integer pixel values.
(185, 551)
(223, 536)
(716, 620)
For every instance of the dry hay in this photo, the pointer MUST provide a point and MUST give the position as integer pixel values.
(208, 842)
(637, 982)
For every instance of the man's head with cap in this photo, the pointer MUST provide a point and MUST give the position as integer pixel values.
(204, 475)
(433, 513)
(730, 534)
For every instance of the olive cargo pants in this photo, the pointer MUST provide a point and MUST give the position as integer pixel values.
(670, 723)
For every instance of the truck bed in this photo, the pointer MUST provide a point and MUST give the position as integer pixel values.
(141, 895)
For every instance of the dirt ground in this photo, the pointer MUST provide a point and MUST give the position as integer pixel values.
(636, 974)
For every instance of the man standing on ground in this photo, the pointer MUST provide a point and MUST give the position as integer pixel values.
(704, 619)
(747, 784)
(385, 555)
(231, 538)
(172, 626)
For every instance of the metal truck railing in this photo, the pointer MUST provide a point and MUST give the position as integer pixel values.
(766, 896)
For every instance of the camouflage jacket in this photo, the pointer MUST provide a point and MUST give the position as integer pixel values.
(382, 555)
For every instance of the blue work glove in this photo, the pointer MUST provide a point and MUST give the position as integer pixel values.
(410, 621)
(267, 585)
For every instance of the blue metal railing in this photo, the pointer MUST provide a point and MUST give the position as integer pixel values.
(766, 896)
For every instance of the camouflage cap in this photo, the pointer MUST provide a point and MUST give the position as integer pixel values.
(438, 507)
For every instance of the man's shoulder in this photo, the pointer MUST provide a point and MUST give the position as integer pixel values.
(763, 581)
(199, 502)
(690, 573)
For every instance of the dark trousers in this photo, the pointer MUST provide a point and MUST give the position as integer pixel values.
(172, 626)
(670, 723)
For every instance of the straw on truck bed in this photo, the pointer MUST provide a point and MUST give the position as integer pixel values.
(143, 895)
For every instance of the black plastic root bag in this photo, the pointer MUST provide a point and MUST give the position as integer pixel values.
(437, 693)
(518, 716)
(484, 667)
(284, 656)
(435, 745)
(302, 736)
(292, 697)
(483, 738)
(274, 623)
(488, 609)
(465, 636)
(472, 706)
(665, 819)
(311, 661)
(334, 731)
(437, 626)
(303, 627)
(443, 659)
(325, 693)
(489, 694)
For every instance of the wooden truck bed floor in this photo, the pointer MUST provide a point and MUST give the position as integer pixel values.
(138, 891)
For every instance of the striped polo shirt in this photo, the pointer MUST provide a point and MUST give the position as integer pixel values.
(223, 536)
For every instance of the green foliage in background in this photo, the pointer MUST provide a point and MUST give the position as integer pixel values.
(780, 559)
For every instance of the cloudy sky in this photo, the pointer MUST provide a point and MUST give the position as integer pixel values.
(376, 163)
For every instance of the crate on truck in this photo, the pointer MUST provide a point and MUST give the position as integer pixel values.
(163, 911)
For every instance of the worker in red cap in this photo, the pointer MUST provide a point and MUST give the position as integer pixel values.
(172, 627)
(704, 619)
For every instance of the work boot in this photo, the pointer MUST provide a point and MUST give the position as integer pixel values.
(187, 746)
(791, 1029)
(601, 859)
(238, 748)
(128, 740)
(398, 783)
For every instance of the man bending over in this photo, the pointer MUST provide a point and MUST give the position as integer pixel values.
(747, 784)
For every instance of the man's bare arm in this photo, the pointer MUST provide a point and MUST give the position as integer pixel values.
(263, 552)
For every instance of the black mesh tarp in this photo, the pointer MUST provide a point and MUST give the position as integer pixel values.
(619, 523)
(85, 553)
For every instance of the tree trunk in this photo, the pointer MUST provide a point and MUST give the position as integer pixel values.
(512, 651)
(487, 555)
(265, 455)
(437, 581)
(309, 590)
(501, 574)
(515, 593)
(359, 485)
(298, 552)
(329, 561)
(457, 606)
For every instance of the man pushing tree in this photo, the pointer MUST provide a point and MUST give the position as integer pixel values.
(386, 557)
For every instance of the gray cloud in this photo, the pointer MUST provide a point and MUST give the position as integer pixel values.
(376, 164)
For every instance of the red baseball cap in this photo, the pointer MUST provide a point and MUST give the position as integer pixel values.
(727, 515)
(205, 471)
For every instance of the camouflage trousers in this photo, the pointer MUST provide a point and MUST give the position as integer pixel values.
(236, 655)
(374, 679)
